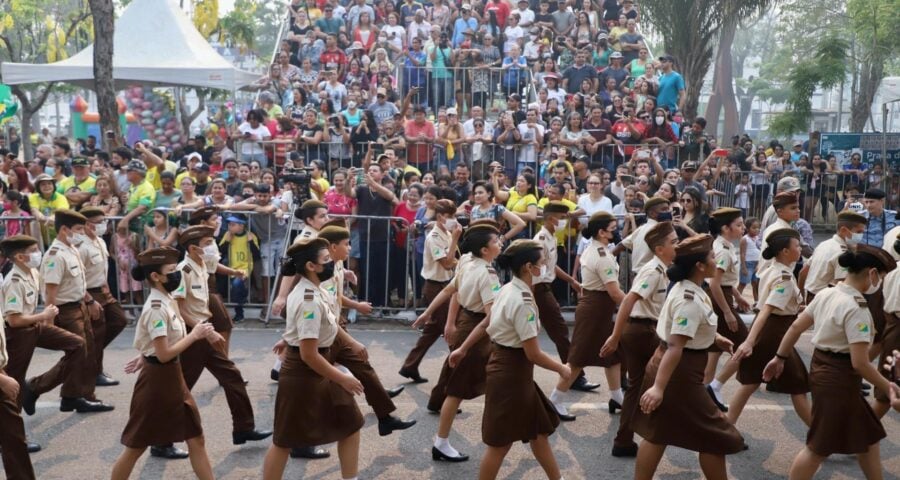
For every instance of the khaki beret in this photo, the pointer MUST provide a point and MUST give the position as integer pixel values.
(202, 214)
(695, 245)
(334, 233)
(654, 201)
(520, 246)
(886, 260)
(92, 212)
(726, 215)
(658, 233)
(16, 243)
(784, 199)
(306, 245)
(194, 233)
(69, 218)
(852, 217)
(158, 256)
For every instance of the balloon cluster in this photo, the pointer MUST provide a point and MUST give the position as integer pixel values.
(156, 115)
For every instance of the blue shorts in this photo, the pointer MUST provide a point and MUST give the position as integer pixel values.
(751, 274)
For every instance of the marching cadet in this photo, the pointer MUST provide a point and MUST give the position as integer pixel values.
(888, 339)
(220, 319)
(842, 421)
(594, 313)
(636, 327)
(26, 330)
(780, 301)
(314, 404)
(657, 211)
(162, 408)
(192, 297)
(728, 226)
(438, 263)
(13, 448)
(676, 410)
(476, 285)
(787, 209)
(889, 238)
(63, 284)
(555, 218)
(822, 269)
(515, 409)
(95, 257)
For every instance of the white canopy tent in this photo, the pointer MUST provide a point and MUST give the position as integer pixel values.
(155, 44)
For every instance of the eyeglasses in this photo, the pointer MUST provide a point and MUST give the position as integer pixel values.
(687, 200)
(642, 181)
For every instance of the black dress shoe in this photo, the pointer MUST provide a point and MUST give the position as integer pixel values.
(104, 380)
(582, 385)
(388, 424)
(83, 405)
(412, 375)
(438, 455)
(168, 452)
(393, 392)
(240, 438)
(312, 453)
(866, 386)
(613, 406)
(29, 399)
(565, 417)
(274, 375)
(627, 451)
(438, 412)
(33, 447)
(721, 406)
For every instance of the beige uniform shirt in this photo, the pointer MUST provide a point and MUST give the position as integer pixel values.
(308, 233)
(598, 267)
(334, 287)
(159, 318)
(728, 261)
(841, 317)
(763, 263)
(514, 316)
(640, 251)
(476, 284)
(548, 241)
(194, 290)
(891, 290)
(309, 315)
(62, 266)
(94, 256)
(650, 284)
(20, 291)
(889, 238)
(437, 247)
(778, 288)
(824, 270)
(4, 356)
(688, 311)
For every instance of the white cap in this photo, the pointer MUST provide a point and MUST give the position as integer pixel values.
(451, 111)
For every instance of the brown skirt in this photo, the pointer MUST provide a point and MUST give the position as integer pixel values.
(467, 380)
(593, 325)
(221, 320)
(890, 341)
(162, 408)
(794, 379)
(311, 410)
(722, 329)
(687, 417)
(515, 409)
(842, 420)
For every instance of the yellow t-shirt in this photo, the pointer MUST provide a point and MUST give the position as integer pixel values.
(239, 254)
(519, 204)
(153, 174)
(562, 235)
(86, 186)
(180, 177)
(325, 186)
(47, 207)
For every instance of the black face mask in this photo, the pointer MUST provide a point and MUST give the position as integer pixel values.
(173, 280)
(617, 238)
(664, 217)
(327, 271)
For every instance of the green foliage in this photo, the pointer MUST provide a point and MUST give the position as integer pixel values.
(825, 69)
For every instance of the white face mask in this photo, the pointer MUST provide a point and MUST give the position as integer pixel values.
(543, 270)
(77, 238)
(855, 239)
(211, 252)
(660, 120)
(561, 224)
(100, 229)
(875, 286)
(34, 259)
(451, 224)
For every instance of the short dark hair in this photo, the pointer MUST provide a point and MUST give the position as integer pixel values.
(124, 152)
(263, 188)
(700, 121)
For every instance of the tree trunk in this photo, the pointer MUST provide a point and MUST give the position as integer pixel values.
(104, 30)
(29, 108)
(861, 104)
(723, 91)
(187, 118)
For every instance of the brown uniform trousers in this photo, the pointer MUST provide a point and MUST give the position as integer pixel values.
(552, 320)
(638, 344)
(76, 372)
(221, 320)
(21, 343)
(202, 355)
(433, 328)
(16, 462)
(109, 325)
(376, 396)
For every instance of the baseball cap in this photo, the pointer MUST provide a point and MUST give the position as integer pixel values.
(81, 162)
(451, 111)
(201, 167)
(615, 55)
(798, 143)
(466, 6)
(236, 218)
(193, 156)
(788, 184)
(136, 166)
(381, 91)
(666, 58)
(689, 166)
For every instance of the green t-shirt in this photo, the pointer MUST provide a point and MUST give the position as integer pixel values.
(141, 194)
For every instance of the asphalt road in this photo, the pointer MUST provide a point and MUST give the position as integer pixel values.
(85, 446)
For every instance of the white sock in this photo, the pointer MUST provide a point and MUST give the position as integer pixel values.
(617, 395)
(352, 478)
(342, 368)
(443, 444)
(556, 400)
(716, 384)
(556, 395)
(277, 366)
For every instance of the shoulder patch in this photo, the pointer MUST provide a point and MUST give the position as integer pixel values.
(661, 269)
(309, 296)
(306, 234)
(17, 278)
(601, 251)
(491, 270)
(726, 246)
(52, 251)
(527, 295)
(156, 304)
(861, 302)
(188, 269)
(688, 295)
(786, 276)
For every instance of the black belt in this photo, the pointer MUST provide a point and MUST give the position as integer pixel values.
(71, 304)
(642, 321)
(471, 312)
(95, 290)
(833, 354)
(297, 349)
(156, 361)
(442, 283)
(505, 347)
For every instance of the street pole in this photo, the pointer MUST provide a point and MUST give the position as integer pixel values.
(884, 122)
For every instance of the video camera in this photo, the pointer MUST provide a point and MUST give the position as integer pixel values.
(300, 179)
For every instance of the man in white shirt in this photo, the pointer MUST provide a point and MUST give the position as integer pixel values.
(419, 28)
(526, 15)
(532, 135)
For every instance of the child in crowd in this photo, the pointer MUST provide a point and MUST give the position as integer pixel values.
(12, 208)
(239, 248)
(751, 244)
(125, 246)
(161, 233)
(742, 193)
